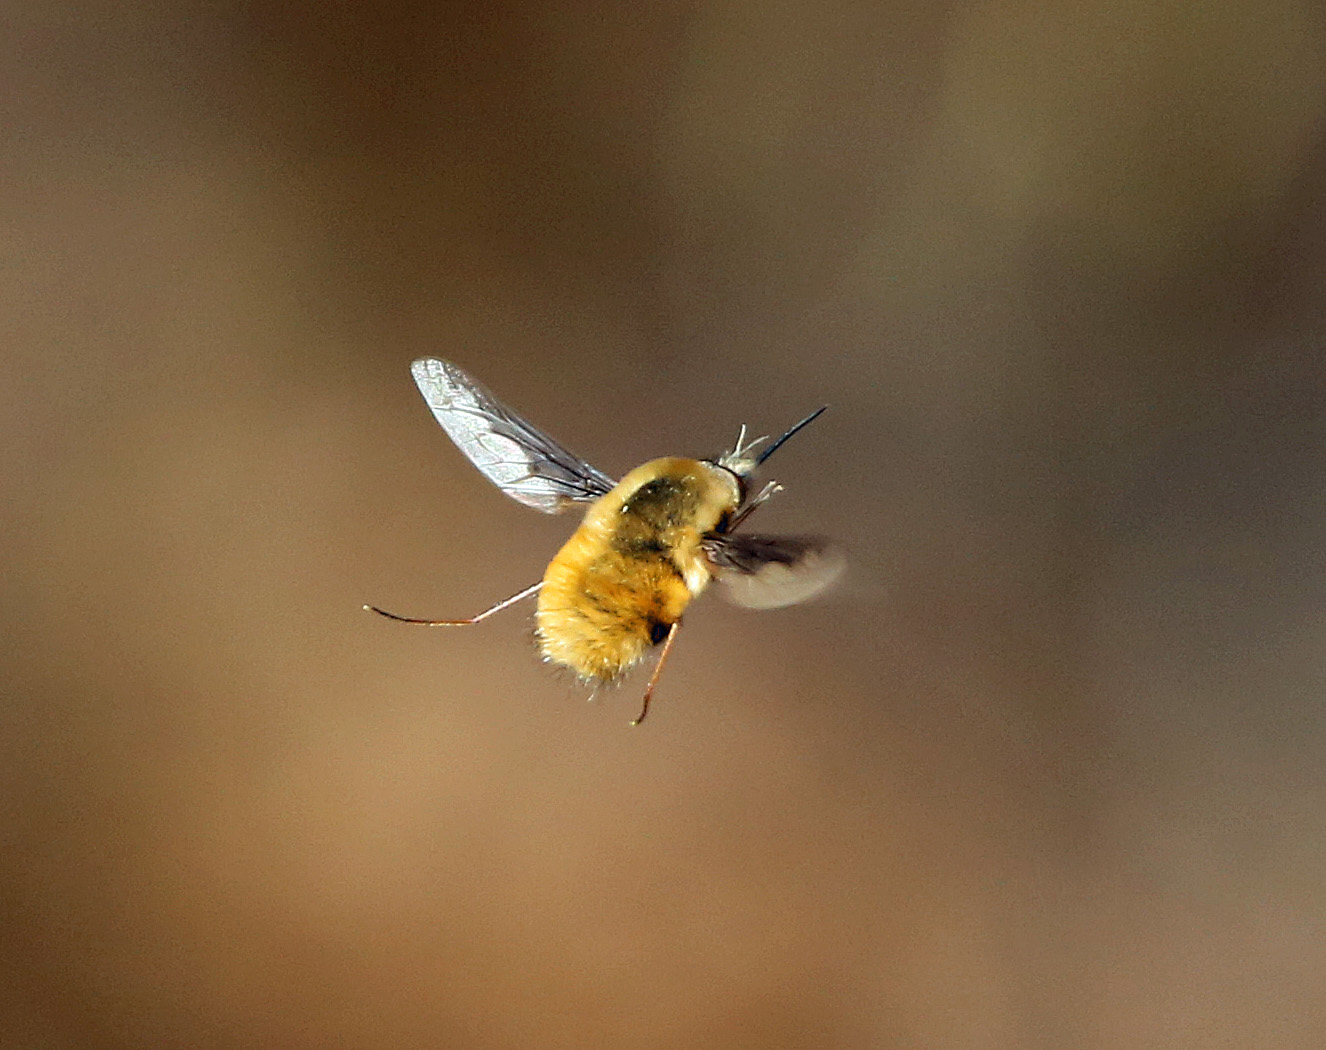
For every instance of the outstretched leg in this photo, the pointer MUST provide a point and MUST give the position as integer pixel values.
(658, 670)
(459, 623)
(762, 496)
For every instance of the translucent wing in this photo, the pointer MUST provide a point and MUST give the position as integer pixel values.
(523, 462)
(768, 572)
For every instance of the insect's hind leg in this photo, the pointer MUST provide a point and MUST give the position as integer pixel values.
(658, 670)
(527, 592)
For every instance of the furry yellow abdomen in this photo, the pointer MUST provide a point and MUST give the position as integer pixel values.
(599, 612)
(628, 573)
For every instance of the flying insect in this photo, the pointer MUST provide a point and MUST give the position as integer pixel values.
(648, 545)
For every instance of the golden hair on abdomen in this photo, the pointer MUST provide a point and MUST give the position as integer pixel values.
(647, 546)
(628, 573)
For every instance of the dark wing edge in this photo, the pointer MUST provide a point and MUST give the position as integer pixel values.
(769, 572)
(517, 457)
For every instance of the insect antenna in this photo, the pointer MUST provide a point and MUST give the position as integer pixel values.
(741, 460)
(459, 623)
(658, 670)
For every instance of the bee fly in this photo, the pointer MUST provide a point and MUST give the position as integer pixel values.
(648, 543)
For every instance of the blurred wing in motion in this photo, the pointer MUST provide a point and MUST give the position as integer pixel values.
(768, 572)
(520, 460)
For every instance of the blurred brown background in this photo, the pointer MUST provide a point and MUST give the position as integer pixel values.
(1045, 772)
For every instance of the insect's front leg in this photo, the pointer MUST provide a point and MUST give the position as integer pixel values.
(770, 487)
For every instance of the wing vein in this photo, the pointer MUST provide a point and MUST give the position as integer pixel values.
(514, 455)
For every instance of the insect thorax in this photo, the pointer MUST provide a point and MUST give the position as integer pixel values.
(666, 497)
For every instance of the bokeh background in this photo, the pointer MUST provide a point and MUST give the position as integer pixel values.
(1046, 771)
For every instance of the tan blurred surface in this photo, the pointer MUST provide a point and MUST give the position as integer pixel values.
(1046, 772)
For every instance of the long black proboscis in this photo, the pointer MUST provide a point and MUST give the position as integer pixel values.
(779, 443)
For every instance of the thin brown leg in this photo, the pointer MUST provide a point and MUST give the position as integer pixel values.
(459, 623)
(658, 670)
(769, 489)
